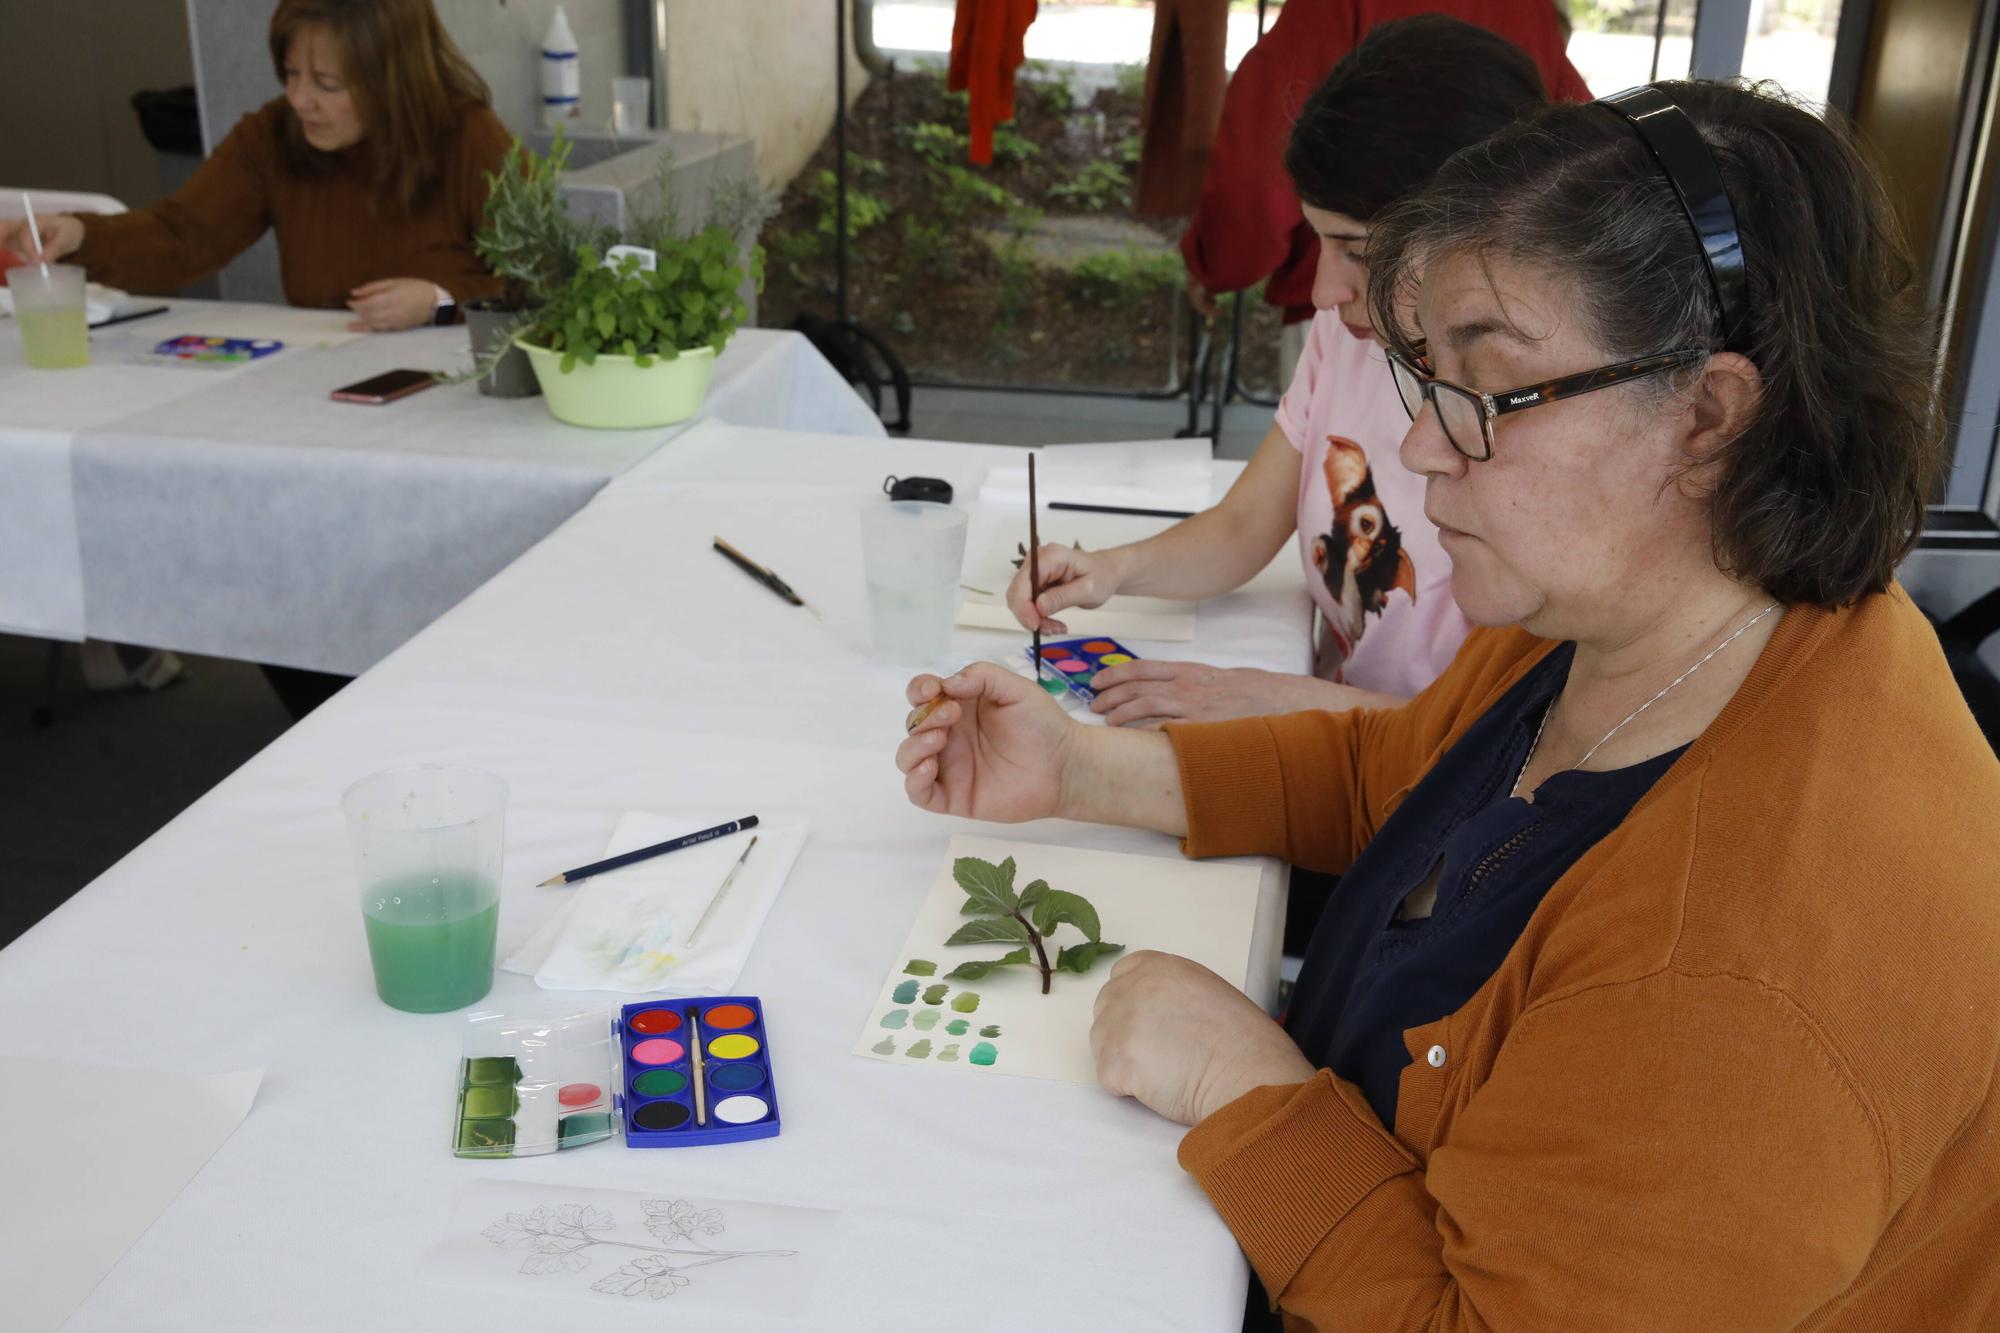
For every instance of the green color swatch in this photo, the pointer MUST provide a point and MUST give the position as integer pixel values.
(984, 1053)
(925, 1020)
(920, 967)
(490, 1103)
(886, 1046)
(906, 993)
(949, 1053)
(576, 1130)
(485, 1138)
(895, 1018)
(920, 1049)
(491, 1069)
(965, 1001)
(935, 994)
(1055, 687)
(659, 1083)
(990, 1030)
(957, 1027)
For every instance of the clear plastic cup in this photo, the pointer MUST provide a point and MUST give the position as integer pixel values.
(427, 849)
(912, 551)
(48, 308)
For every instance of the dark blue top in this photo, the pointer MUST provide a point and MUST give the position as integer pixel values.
(1368, 976)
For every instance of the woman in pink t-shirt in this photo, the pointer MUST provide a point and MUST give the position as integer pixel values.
(1328, 470)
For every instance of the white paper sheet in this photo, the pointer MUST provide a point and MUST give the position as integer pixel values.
(93, 1156)
(993, 541)
(627, 930)
(291, 325)
(1140, 474)
(654, 1251)
(1202, 911)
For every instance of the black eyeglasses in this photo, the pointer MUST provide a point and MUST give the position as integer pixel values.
(1467, 415)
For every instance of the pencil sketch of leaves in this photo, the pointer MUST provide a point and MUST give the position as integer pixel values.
(649, 1275)
(677, 1219)
(556, 1235)
(564, 1261)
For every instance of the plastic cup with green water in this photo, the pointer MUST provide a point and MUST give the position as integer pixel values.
(427, 850)
(48, 309)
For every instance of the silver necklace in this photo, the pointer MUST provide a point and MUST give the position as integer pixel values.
(1536, 744)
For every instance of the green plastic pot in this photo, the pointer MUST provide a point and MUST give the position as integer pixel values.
(617, 394)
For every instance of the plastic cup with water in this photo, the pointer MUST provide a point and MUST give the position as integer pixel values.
(48, 309)
(427, 850)
(912, 551)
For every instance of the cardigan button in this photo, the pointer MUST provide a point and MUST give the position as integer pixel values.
(1436, 1057)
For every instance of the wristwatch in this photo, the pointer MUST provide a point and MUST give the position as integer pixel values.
(446, 309)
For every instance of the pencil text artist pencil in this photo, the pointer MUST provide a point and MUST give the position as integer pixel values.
(681, 843)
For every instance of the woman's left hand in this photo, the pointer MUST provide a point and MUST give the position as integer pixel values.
(1180, 1039)
(391, 303)
(1148, 692)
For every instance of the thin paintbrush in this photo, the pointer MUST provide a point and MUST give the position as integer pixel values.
(727, 880)
(1034, 567)
(700, 1069)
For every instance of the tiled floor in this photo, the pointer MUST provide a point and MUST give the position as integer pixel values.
(116, 767)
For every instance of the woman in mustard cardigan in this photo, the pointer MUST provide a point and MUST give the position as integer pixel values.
(1662, 989)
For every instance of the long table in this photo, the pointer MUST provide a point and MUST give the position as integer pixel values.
(242, 513)
(621, 665)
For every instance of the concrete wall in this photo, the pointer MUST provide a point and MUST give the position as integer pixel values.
(68, 112)
(764, 69)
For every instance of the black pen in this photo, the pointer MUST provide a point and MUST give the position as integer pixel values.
(758, 572)
(1120, 509)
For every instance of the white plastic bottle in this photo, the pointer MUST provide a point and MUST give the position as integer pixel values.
(562, 78)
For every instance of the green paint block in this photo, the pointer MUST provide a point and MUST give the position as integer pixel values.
(949, 1053)
(906, 993)
(990, 1030)
(490, 1070)
(920, 967)
(895, 1018)
(886, 1046)
(919, 1050)
(957, 1027)
(485, 1138)
(576, 1130)
(925, 1020)
(965, 1001)
(984, 1053)
(935, 994)
(490, 1103)
(1055, 687)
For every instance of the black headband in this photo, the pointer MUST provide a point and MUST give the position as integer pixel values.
(1690, 168)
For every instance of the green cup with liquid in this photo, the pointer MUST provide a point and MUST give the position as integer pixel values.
(427, 849)
(48, 309)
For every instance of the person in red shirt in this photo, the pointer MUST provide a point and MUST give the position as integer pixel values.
(1247, 227)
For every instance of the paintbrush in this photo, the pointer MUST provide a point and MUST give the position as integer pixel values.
(700, 1069)
(727, 880)
(1034, 566)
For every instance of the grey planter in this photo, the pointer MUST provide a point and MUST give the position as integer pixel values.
(512, 376)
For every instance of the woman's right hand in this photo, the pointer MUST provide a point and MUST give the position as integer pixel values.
(61, 235)
(1069, 578)
(996, 746)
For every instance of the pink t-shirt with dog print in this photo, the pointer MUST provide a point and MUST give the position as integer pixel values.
(1382, 583)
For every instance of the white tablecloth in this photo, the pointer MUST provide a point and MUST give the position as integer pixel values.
(622, 665)
(243, 513)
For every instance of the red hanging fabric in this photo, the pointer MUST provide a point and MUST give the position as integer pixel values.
(1185, 79)
(987, 47)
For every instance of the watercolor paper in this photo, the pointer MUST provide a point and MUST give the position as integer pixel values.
(655, 1251)
(991, 543)
(627, 930)
(78, 1186)
(1001, 1023)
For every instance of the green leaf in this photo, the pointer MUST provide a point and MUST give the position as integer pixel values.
(1057, 907)
(605, 323)
(1033, 894)
(973, 971)
(991, 929)
(643, 361)
(629, 347)
(1078, 958)
(990, 888)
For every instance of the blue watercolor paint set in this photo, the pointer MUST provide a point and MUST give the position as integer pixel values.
(200, 347)
(1073, 663)
(680, 1073)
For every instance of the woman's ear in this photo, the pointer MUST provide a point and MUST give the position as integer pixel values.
(1724, 403)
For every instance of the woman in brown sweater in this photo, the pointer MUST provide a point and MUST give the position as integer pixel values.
(371, 169)
(1662, 988)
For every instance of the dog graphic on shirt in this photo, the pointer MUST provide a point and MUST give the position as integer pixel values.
(1361, 557)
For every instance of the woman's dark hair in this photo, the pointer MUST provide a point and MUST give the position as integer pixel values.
(411, 87)
(1823, 494)
(1414, 92)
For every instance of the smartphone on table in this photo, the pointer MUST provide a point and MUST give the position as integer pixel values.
(386, 387)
